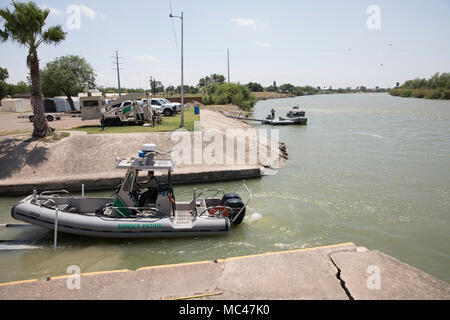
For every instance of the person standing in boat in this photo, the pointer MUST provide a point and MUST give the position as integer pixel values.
(273, 113)
(152, 189)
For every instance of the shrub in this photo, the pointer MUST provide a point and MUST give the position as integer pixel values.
(446, 94)
(434, 94)
(419, 93)
(394, 92)
(229, 93)
(405, 93)
(207, 99)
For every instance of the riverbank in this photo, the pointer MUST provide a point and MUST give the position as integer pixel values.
(90, 158)
(271, 95)
(334, 272)
(443, 94)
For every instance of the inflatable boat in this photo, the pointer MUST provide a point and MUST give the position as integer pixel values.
(285, 121)
(295, 112)
(127, 214)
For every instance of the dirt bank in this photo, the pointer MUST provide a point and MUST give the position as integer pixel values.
(271, 95)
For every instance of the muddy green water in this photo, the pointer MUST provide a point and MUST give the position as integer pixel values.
(369, 168)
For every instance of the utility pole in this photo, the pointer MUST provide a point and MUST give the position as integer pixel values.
(118, 73)
(228, 58)
(182, 82)
(151, 86)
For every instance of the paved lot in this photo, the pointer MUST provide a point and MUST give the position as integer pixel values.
(9, 122)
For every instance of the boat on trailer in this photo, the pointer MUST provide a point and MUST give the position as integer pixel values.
(210, 212)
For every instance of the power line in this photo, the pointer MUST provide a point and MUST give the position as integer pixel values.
(173, 27)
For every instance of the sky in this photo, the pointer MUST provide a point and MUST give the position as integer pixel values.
(346, 43)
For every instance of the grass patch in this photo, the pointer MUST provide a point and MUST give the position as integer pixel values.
(168, 124)
(56, 136)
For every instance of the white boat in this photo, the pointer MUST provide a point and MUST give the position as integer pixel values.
(210, 212)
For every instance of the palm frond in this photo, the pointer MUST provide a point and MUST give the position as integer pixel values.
(25, 25)
(53, 35)
(3, 36)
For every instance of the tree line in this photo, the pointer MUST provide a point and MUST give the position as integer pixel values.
(436, 87)
(307, 90)
(9, 89)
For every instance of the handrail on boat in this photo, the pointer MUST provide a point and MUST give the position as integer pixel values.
(250, 196)
(242, 184)
(209, 190)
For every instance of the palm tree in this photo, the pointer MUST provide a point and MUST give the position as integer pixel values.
(25, 26)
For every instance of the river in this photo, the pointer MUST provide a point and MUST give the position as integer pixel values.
(368, 168)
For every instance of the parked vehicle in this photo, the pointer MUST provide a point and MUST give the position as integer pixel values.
(50, 117)
(168, 108)
(127, 109)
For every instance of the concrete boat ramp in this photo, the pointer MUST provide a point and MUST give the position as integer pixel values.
(337, 272)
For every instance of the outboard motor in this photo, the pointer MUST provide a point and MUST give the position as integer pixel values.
(234, 201)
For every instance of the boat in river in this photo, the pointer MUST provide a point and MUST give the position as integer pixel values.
(295, 112)
(295, 116)
(284, 121)
(124, 214)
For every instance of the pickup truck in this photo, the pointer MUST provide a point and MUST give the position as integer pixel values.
(168, 108)
(155, 108)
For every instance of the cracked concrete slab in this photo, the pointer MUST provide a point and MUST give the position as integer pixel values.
(296, 274)
(291, 275)
(331, 272)
(375, 275)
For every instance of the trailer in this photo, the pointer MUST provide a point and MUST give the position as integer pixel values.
(50, 116)
(124, 110)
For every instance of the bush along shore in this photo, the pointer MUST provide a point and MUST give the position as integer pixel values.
(421, 93)
(437, 87)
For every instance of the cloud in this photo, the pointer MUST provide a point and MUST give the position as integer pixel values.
(91, 13)
(86, 11)
(262, 44)
(243, 22)
(146, 58)
(53, 11)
